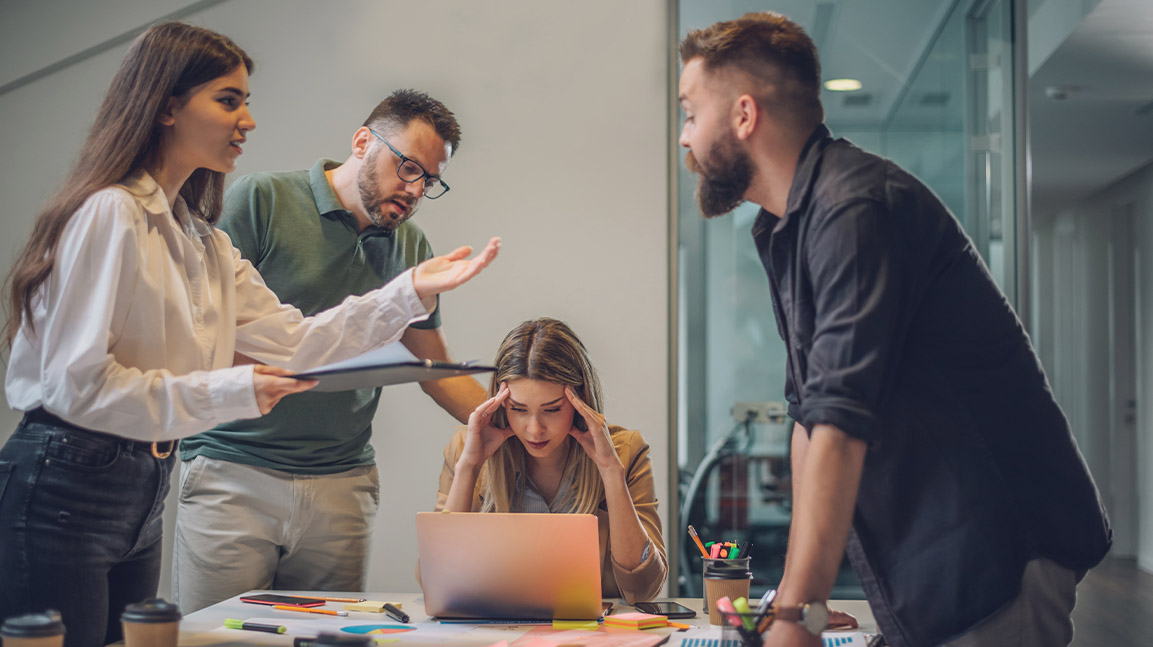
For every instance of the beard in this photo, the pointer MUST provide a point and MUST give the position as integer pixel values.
(723, 180)
(378, 207)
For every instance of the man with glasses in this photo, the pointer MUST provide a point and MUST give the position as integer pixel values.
(288, 501)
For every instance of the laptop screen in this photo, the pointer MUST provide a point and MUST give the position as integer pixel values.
(509, 566)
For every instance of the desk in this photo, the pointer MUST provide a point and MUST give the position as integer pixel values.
(204, 628)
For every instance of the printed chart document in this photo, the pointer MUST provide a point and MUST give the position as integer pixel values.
(390, 364)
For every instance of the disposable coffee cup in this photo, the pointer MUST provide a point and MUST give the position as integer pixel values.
(337, 640)
(152, 623)
(724, 578)
(33, 630)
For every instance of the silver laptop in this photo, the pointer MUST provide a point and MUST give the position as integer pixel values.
(509, 566)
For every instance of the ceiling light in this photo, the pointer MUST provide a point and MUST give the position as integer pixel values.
(842, 85)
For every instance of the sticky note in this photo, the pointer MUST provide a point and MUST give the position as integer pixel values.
(590, 625)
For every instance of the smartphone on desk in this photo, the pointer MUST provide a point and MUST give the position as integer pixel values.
(291, 600)
(666, 608)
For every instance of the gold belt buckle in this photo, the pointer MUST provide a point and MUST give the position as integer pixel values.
(167, 452)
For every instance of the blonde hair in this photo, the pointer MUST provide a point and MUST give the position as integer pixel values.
(546, 350)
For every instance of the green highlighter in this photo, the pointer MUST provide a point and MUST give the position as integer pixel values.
(232, 623)
(742, 607)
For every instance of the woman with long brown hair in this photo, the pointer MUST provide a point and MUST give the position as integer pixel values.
(541, 444)
(126, 310)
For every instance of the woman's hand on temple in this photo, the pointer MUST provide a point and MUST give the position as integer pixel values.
(483, 439)
(597, 441)
(271, 387)
(443, 273)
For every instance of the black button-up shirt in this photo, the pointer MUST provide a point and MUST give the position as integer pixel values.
(898, 335)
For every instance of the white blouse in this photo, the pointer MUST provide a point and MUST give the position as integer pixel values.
(136, 327)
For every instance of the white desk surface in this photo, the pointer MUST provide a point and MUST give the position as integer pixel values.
(205, 628)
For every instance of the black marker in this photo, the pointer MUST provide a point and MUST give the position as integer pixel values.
(395, 614)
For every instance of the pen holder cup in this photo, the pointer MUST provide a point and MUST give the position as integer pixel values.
(735, 628)
(724, 578)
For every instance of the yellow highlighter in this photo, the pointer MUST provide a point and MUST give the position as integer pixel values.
(742, 607)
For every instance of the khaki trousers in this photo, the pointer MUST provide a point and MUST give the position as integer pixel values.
(1038, 617)
(240, 528)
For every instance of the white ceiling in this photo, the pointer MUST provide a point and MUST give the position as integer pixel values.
(878, 42)
(1094, 137)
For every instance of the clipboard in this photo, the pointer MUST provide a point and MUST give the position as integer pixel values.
(390, 364)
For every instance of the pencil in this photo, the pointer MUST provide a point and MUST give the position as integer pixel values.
(354, 600)
(327, 612)
(693, 534)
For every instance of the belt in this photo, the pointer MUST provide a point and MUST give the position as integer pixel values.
(42, 416)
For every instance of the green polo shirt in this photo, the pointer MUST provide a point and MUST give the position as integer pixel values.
(291, 226)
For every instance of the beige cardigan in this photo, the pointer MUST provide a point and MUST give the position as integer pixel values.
(645, 581)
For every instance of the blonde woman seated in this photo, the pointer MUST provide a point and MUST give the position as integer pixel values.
(541, 444)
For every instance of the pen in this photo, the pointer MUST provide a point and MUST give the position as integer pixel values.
(766, 601)
(317, 597)
(697, 540)
(394, 613)
(327, 612)
(765, 611)
(232, 623)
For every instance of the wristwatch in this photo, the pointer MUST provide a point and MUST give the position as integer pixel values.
(812, 616)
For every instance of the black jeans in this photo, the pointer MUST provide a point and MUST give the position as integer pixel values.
(80, 525)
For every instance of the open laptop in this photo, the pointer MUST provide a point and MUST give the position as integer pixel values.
(509, 566)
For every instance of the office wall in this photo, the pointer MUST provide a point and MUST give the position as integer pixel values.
(1094, 314)
(563, 107)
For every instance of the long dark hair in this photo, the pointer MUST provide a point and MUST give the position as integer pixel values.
(164, 62)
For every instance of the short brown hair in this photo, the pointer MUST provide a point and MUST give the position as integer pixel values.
(773, 51)
(404, 106)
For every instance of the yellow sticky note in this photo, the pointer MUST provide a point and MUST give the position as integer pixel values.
(590, 625)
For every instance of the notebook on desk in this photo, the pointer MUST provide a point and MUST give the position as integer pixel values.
(509, 566)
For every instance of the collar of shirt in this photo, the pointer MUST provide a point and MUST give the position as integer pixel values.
(533, 501)
(153, 199)
(802, 186)
(326, 201)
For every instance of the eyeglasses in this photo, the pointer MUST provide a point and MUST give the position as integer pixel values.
(410, 170)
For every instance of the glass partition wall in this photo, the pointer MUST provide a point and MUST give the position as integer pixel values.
(935, 98)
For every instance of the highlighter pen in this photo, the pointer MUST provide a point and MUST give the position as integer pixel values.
(232, 623)
(327, 612)
(742, 607)
(395, 613)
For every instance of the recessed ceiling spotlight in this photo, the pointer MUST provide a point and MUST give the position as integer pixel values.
(842, 85)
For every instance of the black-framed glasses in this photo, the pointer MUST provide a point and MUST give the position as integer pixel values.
(410, 170)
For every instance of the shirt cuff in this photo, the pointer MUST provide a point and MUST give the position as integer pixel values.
(402, 302)
(233, 392)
